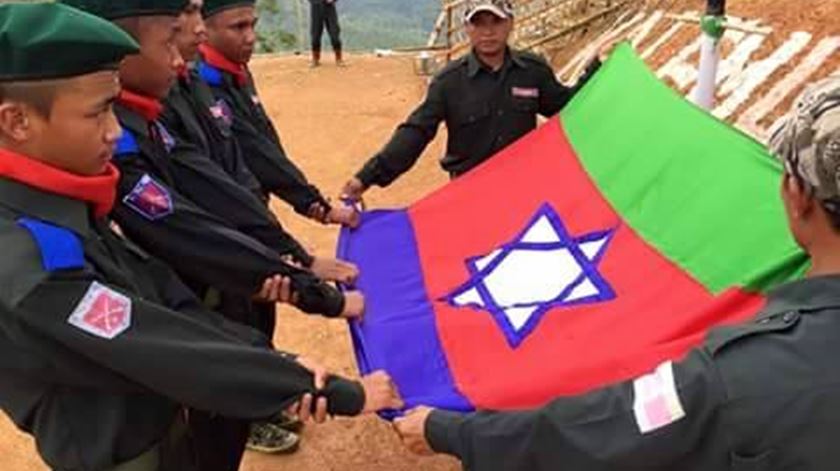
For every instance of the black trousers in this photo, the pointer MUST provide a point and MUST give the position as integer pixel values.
(219, 442)
(324, 16)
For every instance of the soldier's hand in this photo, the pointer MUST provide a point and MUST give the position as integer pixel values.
(344, 215)
(354, 305)
(353, 190)
(380, 393)
(277, 289)
(331, 269)
(412, 430)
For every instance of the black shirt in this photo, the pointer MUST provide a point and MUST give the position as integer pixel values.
(193, 117)
(154, 208)
(260, 143)
(193, 114)
(484, 110)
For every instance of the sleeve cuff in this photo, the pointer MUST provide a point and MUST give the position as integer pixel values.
(344, 397)
(366, 176)
(442, 429)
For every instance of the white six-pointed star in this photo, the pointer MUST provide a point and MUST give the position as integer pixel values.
(542, 268)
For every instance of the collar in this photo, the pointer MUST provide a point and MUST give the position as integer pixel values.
(48, 207)
(132, 120)
(474, 64)
(184, 73)
(808, 294)
(216, 59)
(99, 191)
(147, 107)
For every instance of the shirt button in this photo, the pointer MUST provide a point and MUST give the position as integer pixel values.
(789, 317)
(501, 113)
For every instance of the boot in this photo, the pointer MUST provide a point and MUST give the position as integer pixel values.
(339, 58)
(316, 58)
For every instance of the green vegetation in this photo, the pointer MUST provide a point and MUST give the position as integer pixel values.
(366, 24)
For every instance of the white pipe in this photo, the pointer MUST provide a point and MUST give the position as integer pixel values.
(707, 78)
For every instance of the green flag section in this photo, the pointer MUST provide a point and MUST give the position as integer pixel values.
(704, 194)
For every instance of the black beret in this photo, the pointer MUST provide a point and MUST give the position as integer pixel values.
(116, 9)
(211, 7)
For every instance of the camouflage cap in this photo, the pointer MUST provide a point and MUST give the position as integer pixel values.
(808, 143)
(501, 8)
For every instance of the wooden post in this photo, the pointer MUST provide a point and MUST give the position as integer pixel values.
(449, 33)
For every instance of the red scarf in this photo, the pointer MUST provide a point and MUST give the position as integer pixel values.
(219, 61)
(99, 190)
(149, 108)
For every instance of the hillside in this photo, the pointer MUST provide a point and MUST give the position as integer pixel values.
(366, 24)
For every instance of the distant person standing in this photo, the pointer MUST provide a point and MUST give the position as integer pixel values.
(324, 15)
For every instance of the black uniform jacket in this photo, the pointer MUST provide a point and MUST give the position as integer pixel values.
(484, 110)
(259, 141)
(192, 117)
(100, 343)
(160, 178)
(763, 396)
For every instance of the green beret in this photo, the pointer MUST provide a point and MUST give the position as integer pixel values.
(40, 41)
(116, 9)
(211, 7)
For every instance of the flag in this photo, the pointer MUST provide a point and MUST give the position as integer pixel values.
(607, 242)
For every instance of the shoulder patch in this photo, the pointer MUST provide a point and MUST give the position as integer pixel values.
(102, 312)
(150, 199)
(222, 113)
(209, 74)
(127, 144)
(656, 401)
(61, 249)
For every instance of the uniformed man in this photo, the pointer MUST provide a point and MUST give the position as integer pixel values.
(224, 66)
(153, 207)
(760, 396)
(193, 116)
(323, 14)
(489, 98)
(176, 204)
(101, 344)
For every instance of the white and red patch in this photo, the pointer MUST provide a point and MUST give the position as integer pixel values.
(222, 112)
(102, 312)
(525, 92)
(656, 402)
(150, 199)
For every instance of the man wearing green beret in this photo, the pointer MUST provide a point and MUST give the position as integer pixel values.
(224, 66)
(194, 116)
(100, 344)
(217, 179)
(174, 203)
